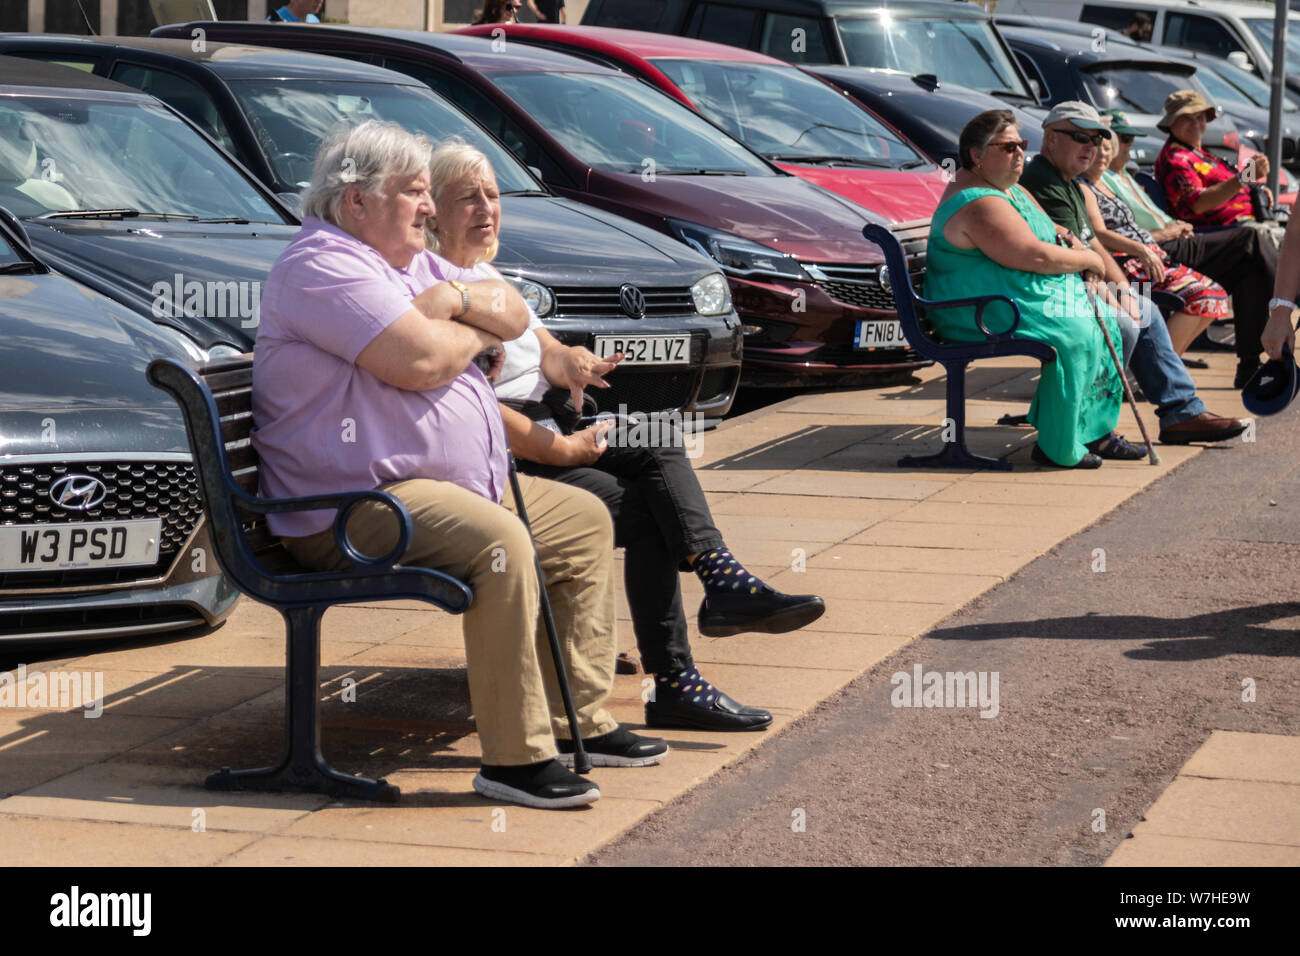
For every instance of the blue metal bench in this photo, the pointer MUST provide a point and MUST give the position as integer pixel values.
(217, 405)
(954, 357)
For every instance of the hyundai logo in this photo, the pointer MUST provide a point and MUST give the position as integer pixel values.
(632, 300)
(78, 492)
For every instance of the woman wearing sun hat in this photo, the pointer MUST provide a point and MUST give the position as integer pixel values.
(1206, 191)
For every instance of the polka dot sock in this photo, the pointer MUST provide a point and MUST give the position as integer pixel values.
(686, 685)
(722, 573)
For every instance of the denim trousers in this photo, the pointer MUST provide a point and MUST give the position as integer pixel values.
(660, 516)
(1156, 366)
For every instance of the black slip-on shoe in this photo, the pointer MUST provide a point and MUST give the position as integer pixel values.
(618, 748)
(1088, 461)
(546, 786)
(723, 614)
(725, 714)
(1246, 369)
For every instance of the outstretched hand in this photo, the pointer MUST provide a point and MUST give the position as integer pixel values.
(579, 368)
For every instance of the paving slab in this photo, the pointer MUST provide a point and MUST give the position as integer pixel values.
(1157, 850)
(310, 851)
(1236, 802)
(45, 841)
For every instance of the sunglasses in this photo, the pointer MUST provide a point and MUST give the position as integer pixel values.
(1126, 138)
(1080, 137)
(1011, 145)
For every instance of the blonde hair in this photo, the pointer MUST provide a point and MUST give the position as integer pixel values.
(452, 161)
(365, 156)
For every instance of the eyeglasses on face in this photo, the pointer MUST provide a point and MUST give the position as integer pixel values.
(1081, 137)
(1011, 145)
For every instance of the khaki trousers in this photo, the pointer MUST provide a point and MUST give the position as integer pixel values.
(512, 683)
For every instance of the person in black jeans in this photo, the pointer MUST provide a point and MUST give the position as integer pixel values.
(660, 513)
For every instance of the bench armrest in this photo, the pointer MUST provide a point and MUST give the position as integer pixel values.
(344, 503)
(980, 302)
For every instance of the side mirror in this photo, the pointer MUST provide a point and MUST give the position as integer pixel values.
(1241, 61)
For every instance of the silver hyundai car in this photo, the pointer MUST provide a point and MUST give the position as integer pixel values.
(102, 531)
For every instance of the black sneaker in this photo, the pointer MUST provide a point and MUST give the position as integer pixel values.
(723, 614)
(618, 748)
(545, 785)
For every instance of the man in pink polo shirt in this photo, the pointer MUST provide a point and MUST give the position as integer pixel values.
(364, 378)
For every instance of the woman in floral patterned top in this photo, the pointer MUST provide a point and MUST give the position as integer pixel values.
(1203, 189)
(1144, 261)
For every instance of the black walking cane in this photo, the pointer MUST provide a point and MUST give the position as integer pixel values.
(581, 762)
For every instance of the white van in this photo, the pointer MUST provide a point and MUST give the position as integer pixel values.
(1238, 31)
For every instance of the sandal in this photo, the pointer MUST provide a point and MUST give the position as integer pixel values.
(1088, 461)
(1114, 446)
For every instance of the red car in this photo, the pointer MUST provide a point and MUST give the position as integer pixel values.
(792, 119)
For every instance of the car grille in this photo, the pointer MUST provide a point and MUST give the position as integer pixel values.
(860, 285)
(582, 301)
(647, 391)
(146, 618)
(136, 489)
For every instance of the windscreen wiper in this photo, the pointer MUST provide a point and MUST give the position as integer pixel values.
(13, 268)
(120, 214)
(702, 172)
(90, 214)
(526, 192)
(815, 160)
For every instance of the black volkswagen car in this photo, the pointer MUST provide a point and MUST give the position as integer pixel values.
(595, 278)
(102, 530)
(122, 193)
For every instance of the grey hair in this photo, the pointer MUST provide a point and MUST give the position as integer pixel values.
(365, 156)
(452, 161)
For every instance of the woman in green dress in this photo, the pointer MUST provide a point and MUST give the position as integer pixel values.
(989, 235)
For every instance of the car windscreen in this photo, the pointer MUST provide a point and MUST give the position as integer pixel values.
(61, 154)
(1135, 90)
(619, 124)
(1234, 85)
(965, 52)
(1262, 27)
(290, 117)
(787, 115)
(8, 254)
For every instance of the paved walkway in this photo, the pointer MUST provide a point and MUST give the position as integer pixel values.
(806, 493)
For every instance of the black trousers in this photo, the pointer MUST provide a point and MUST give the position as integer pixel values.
(1244, 262)
(660, 516)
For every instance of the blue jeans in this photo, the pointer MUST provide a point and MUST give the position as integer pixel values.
(1157, 367)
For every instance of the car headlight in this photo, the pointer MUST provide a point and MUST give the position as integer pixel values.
(538, 298)
(223, 351)
(198, 355)
(739, 257)
(712, 295)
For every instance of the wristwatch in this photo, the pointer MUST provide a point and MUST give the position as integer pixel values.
(1275, 303)
(463, 289)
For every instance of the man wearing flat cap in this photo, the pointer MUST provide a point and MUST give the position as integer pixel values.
(1206, 191)
(1073, 131)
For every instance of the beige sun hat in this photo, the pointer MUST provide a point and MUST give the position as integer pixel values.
(1181, 103)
